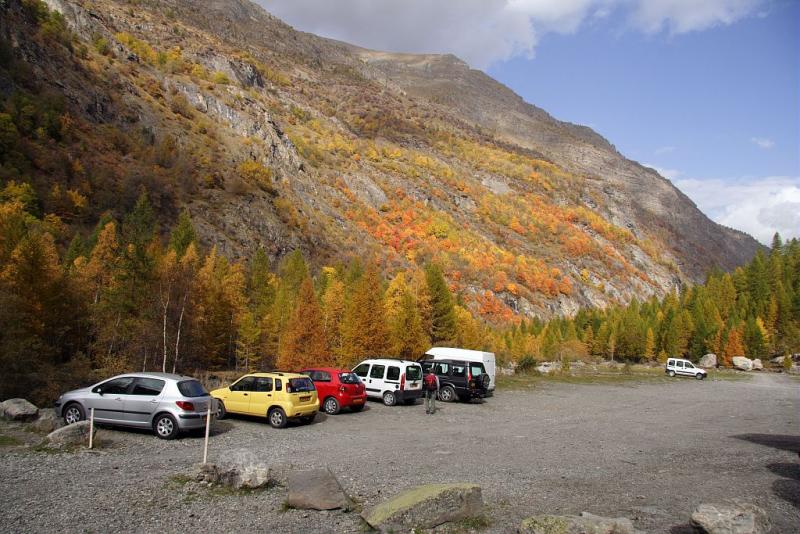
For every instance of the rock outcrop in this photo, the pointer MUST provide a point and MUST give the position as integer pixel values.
(742, 363)
(69, 436)
(426, 507)
(709, 361)
(735, 518)
(585, 523)
(240, 470)
(316, 489)
(18, 410)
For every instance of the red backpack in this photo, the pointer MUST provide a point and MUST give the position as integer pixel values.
(430, 381)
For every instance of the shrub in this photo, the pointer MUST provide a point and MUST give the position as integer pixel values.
(525, 365)
(221, 78)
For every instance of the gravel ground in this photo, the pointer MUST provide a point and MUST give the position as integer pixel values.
(650, 451)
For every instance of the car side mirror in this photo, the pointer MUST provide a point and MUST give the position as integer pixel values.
(99, 390)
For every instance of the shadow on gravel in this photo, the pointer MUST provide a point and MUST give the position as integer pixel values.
(788, 487)
(320, 418)
(683, 529)
(776, 441)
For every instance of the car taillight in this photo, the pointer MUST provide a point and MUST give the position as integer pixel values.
(185, 405)
(403, 381)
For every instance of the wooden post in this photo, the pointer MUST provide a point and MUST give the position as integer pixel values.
(91, 427)
(208, 426)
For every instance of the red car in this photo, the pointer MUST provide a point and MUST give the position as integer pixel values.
(337, 389)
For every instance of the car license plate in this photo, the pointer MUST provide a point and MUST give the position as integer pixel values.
(304, 399)
(358, 401)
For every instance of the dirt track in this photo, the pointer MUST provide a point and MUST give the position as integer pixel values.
(649, 451)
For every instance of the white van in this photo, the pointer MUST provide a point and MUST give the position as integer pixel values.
(676, 366)
(486, 358)
(391, 380)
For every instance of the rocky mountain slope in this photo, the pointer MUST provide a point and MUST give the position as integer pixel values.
(279, 139)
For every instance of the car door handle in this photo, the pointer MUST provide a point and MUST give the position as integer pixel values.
(244, 394)
(118, 399)
(154, 401)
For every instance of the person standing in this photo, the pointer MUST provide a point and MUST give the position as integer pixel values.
(431, 390)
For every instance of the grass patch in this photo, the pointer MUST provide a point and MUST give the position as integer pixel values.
(470, 524)
(9, 441)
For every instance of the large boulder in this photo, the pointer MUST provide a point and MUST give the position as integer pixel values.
(241, 470)
(742, 363)
(18, 410)
(69, 436)
(735, 518)
(757, 365)
(316, 489)
(47, 421)
(585, 523)
(426, 507)
(709, 361)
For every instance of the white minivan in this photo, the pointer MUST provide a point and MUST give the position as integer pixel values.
(677, 366)
(486, 358)
(391, 380)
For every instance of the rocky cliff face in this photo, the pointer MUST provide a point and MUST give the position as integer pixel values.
(278, 139)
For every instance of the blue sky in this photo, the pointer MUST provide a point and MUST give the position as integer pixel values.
(705, 91)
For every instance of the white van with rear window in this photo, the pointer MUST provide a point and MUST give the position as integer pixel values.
(391, 380)
(677, 366)
(448, 353)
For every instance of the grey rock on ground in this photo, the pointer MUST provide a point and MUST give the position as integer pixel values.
(243, 470)
(426, 507)
(757, 365)
(734, 518)
(585, 523)
(47, 421)
(709, 361)
(742, 363)
(316, 489)
(70, 435)
(18, 410)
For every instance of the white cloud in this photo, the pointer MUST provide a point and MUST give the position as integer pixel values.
(669, 174)
(485, 31)
(762, 142)
(758, 206)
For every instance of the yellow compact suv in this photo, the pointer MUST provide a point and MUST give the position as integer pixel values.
(277, 396)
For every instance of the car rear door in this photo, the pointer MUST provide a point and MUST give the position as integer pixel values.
(141, 404)
(261, 396)
(362, 372)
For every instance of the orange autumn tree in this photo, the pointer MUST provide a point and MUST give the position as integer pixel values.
(304, 342)
(733, 347)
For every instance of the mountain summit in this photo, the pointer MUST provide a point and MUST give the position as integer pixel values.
(278, 139)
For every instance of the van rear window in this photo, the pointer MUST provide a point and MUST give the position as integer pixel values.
(476, 369)
(413, 372)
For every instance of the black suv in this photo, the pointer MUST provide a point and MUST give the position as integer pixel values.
(458, 379)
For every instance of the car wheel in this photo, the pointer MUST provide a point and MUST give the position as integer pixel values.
(389, 399)
(485, 381)
(671, 374)
(74, 413)
(221, 411)
(331, 406)
(357, 407)
(277, 418)
(165, 426)
(700, 376)
(447, 394)
(307, 419)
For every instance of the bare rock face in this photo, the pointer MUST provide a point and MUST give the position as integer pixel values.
(18, 410)
(742, 363)
(585, 523)
(758, 365)
(426, 507)
(738, 518)
(316, 489)
(709, 361)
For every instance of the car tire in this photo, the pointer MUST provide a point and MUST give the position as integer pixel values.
(485, 381)
(671, 374)
(447, 394)
(357, 407)
(277, 418)
(389, 398)
(700, 376)
(73, 413)
(165, 426)
(222, 413)
(331, 406)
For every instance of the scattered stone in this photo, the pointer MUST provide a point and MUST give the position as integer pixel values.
(47, 421)
(742, 363)
(736, 518)
(757, 365)
(241, 471)
(548, 367)
(709, 361)
(426, 507)
(18, 410)
(585, 523)
(316, 489)
(69, 436)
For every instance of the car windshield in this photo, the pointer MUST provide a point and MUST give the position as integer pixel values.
(348, 378)
(300, 385)
(413, 372)
(192, 388)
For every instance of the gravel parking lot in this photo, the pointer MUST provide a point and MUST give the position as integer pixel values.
(650, 451)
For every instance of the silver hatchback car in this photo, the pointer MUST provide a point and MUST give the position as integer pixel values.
(166, 403)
